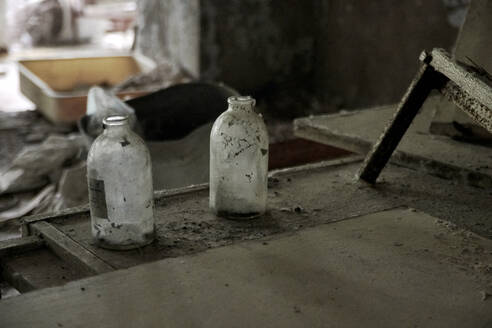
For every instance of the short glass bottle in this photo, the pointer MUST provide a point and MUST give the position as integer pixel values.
(239, 161)
(119, 174)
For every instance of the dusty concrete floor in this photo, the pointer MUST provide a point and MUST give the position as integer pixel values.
(396, 268)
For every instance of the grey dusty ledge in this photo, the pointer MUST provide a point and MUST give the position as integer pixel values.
(437, 155)
(467, 86)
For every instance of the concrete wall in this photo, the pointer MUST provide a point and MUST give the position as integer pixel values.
(252, 43)
(170, 30)
(345, 53)
(367, 51)
(264, 48)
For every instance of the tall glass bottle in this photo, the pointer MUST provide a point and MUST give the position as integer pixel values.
(239, 161)
(119, 174)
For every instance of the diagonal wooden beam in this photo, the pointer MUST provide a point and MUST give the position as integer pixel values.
(467, 86)
(406, 111)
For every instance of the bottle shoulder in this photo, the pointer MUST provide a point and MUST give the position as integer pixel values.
(110, 146)
(235, 120)
(232, 131)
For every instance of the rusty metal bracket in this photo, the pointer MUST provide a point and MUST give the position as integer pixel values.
(467, 86)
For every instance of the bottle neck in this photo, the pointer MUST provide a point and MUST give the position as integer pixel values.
(116, 125)
(242, 104)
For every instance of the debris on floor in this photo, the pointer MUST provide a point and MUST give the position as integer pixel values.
(164, 75)
(102, 103)
(36, 166)
(27, 203)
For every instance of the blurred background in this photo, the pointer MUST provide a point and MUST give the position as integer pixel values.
(172, 64)
(298, 56)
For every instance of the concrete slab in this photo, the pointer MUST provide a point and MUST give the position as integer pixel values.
(437, 155)
(397, 268)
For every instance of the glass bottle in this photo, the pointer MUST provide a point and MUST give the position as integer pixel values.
(119, 174)
(239, 161)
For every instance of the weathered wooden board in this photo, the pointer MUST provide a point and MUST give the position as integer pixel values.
(475, 89)
(38, 268)
(70, 250)
(20, 245)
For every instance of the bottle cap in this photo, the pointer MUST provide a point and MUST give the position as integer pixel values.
(115, 120)
(241, 100)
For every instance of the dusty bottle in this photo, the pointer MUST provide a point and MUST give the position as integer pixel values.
(239, 161)
(119, 174)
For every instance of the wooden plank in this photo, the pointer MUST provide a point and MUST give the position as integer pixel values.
(70, 250)
(470, 105)
(473, 43)
(158, 194)
(314, 166)
(37, 269)
(19, 245)
(463, 76)
(468, 87)
(27, 220)
(418, 91)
